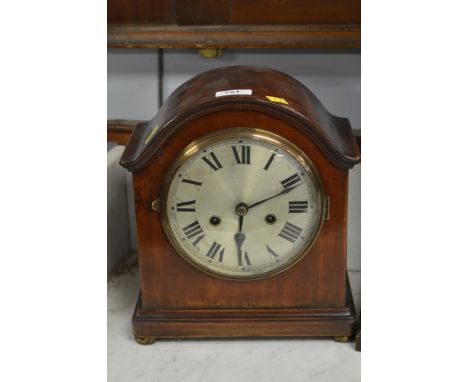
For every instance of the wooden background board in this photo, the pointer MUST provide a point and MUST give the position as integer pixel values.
(234, 23)
(241, 12)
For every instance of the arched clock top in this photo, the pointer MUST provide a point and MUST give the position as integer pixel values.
(244, 88)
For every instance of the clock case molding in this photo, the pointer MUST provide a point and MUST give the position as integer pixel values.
(197, 96)
(313, 297)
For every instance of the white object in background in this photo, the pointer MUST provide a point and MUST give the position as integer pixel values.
(131, 212)
(118, 231)
(354, 219)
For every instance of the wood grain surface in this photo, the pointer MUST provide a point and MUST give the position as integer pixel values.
(234, 23)
(333, 135)
(234, 36)
(178, 300)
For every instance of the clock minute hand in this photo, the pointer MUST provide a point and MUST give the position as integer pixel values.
(239, 237)
(285, 191)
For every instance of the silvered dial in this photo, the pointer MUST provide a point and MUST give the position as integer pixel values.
(242, 204)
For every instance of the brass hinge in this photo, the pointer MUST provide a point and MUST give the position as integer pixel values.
(326, 212)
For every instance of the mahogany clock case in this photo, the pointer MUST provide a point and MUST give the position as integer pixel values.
(312, 298)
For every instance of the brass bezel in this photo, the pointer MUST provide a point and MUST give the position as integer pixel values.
(242, 133)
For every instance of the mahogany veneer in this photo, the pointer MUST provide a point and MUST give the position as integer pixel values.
(312, 298)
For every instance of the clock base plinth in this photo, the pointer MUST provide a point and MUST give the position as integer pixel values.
(156, 323)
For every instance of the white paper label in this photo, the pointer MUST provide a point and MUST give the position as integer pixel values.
(234, 92)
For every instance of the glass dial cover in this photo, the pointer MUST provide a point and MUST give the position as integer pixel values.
(242, 203)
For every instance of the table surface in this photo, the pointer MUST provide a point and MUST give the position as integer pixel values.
(239, 360)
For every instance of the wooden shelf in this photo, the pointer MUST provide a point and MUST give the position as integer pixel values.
(234, 36)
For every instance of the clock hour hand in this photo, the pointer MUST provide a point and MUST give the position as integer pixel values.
(285, 191)
(239, 237)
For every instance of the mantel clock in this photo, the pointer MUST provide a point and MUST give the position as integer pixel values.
(241, 183)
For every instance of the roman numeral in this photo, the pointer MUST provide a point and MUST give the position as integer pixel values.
(198, 239)
(291, 181)
(243, 260)
(267, 166)
(186, 206)
(298, 207)
(244, 157)
(192, 230)
(213, 251)
(290, 232)
(191, 182)
(271, 251)
(216, 165)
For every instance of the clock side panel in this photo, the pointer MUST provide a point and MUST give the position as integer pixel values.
(169, 281)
